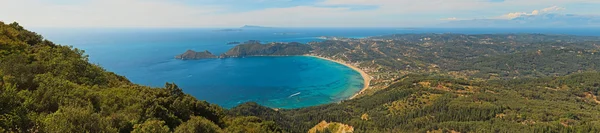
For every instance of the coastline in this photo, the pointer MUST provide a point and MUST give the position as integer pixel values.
(366, 77)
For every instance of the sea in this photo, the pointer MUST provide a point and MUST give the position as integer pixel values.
(146, 56)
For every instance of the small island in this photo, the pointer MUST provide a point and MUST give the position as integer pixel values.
(193, 55)
(233, 43)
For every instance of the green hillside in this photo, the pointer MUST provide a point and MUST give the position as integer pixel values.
(47, 87)
(420, 103)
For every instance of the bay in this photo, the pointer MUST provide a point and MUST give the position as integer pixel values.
(146, 56)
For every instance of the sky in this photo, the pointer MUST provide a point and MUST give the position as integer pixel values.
(275, 13)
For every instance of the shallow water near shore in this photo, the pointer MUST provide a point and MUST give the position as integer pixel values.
(279, 82)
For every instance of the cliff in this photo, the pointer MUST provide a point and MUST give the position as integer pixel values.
(193, 55)
(271, 49)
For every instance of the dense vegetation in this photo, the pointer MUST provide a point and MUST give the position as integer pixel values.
(255, 48)
(46, 87)
(433, 82)
(476, 56)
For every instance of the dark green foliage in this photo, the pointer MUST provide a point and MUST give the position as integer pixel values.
(151, 126)
(198, 125)
(251, 124)
(75, 119)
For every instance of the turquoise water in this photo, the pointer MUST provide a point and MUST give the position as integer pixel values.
(282, 82)
(145, 56)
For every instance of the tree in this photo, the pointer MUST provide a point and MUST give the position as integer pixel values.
(76, 120)
(151, 126)
(251, 124)
(198, 125)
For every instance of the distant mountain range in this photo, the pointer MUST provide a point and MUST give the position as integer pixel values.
(242, 28)
(254, 27)
(541, 20)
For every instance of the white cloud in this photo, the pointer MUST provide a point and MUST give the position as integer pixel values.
(534, 12)
(450, 19)
(553, 8)
(513, 15)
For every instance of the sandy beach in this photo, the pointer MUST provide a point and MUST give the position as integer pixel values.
(366, 77)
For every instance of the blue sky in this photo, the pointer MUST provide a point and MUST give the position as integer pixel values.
(278, 13)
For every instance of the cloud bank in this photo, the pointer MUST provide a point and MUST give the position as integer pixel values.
(534, 12)
(546, 17)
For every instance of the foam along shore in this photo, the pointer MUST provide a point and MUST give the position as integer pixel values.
(366, 77)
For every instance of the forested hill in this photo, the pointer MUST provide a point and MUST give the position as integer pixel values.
(255, 48)
(45, 87)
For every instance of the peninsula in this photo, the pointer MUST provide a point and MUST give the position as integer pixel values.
(254, 48)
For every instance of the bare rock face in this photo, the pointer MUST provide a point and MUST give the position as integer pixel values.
(193, 55)
(333, 127)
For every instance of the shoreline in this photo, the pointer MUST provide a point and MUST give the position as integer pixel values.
(366, 77)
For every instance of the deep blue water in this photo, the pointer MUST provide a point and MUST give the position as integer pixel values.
(145, 56)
